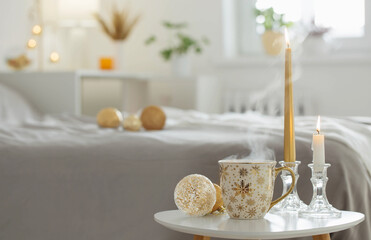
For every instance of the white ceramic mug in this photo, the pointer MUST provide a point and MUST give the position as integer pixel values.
(247, 187)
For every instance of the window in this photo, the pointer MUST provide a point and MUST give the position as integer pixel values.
(345, 19)
(291, 8)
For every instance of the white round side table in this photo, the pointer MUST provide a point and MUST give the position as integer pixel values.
(272, 226)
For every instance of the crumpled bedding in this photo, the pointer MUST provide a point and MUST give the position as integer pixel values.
(65, 178)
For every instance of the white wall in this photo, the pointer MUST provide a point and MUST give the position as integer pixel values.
(13, 28)
(146, 58)
(138, 56)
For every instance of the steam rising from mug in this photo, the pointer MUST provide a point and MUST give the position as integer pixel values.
(259, 150)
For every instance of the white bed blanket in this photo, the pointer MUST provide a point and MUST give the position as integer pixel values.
(65, 178)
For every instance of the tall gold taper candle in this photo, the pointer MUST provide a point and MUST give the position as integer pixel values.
(289, 133)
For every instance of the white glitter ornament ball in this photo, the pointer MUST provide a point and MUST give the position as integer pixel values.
(132, 123)
(195, 195)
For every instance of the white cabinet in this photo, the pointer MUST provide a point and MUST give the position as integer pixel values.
(86, 92)
(200, 93)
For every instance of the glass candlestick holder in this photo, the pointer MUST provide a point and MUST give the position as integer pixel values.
(292, 203)
(319, 207)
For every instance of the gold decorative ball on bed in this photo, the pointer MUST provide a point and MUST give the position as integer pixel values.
(109, 118)
(153, 118)
(195, 195)
(132, 123)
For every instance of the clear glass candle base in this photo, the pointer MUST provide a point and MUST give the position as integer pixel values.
(292, 203)
(319, 207)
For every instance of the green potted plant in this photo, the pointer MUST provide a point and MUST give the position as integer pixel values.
(272, 22)
(179, 47)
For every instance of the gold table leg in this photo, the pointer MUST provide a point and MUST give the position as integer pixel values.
(198, 237)
(322, 237)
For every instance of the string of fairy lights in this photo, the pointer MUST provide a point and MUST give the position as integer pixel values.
(36, 39)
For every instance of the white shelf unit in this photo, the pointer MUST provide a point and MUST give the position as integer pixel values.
(87, 91)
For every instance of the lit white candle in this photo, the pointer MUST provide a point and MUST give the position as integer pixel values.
(318, 147)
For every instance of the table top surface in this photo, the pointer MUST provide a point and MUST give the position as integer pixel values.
(272, 226)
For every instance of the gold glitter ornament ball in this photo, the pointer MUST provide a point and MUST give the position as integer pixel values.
(132, 123)
(219, 200)
(153, 118)
(109, 118)
(195, 195)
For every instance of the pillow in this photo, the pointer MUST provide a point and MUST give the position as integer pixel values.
(14, 108)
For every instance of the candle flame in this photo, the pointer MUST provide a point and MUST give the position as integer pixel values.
(319, 124)
(287, 37)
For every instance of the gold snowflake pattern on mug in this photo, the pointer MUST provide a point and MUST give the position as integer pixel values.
(232, 199)
(223, 191)
(243, 172)
(235, 215)
(263, 209)
(240, 207)
(250, 202)
(246, 189)
(263, 197)
(261, 180)
(252, 212)
(230, 208)
(223, 172)
(255, 170)
(242, 189)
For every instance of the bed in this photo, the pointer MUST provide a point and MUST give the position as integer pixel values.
(62, 177)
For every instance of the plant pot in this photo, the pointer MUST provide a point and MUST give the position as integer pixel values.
(181, 65)
(273, 42)
(119, 55)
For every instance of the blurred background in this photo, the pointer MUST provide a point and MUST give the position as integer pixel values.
(212, 55)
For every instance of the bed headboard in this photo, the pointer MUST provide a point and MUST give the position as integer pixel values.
(50, 92)
(266, 102)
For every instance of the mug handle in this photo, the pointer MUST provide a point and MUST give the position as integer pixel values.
(290, 189)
